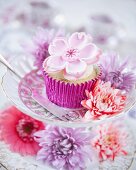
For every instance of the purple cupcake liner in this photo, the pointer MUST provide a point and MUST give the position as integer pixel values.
(65, 94)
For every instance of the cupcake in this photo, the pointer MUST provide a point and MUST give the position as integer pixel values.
(71, 69)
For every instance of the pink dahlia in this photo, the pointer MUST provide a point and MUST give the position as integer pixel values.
(103, 100)
(71, 55)
(110, 141)
(40, 44)
(17, 131)
(64, 148)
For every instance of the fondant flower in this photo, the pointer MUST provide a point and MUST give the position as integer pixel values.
(103, 101)
(17, 131)
(40, 43)
(71, 55)
(110, 141)
(64, 148)
(120, 74)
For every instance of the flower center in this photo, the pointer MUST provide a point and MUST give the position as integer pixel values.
(115, 78)
(111, 139)
(104, 100)
(64, 147)
(71, 55)
(26, 128)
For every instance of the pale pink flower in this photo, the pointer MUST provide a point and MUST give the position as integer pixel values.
(103, 100)
(110, 141)
(17, 130)
(71, 55)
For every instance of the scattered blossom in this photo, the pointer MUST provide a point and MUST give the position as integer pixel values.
(110, 141)
(64, 148)
(103, 100)
(40, 44)
(17, 130)
(120, 74)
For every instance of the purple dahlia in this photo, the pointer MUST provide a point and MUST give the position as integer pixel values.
(64, 148)
(40, 43)
(120, 74)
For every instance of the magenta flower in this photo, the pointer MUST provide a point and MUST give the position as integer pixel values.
(119, 74)
(17, 130)
(103, 101)
(64, 148)
(110, 141)
(39, 46)
(66, 54)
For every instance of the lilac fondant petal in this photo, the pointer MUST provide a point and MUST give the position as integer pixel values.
(56, 63)
(89, 53)
(77, 40)
(58, 46)
(76, 68)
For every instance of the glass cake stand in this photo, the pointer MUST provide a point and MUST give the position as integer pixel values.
(21, 93)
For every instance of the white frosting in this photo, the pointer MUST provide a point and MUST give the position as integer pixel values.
(91, 73)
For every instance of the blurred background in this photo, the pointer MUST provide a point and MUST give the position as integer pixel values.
(112, 24)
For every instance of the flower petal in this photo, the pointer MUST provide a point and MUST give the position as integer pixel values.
(10, 119)
(84, 104)
(54, 63)
(76, 68)
(88, 115)
(70, 77)
(90, 54)
(89, 103)
(77, 40)
(58, 46)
